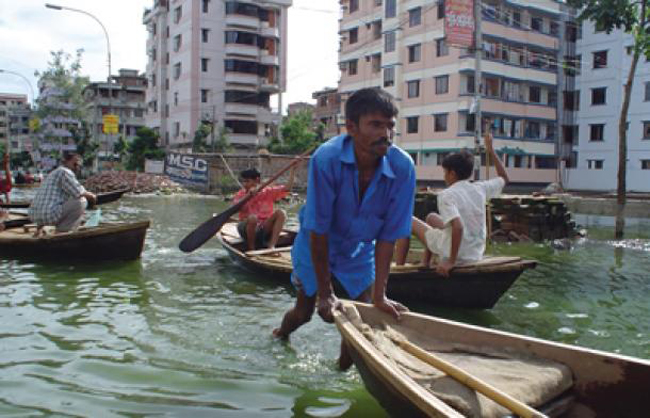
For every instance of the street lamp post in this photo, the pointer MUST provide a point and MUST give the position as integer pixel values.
(24, 78)
(108, 48)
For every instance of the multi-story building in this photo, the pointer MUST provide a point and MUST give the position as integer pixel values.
(125, 97)
(605, 62)
(218, 62)
(298, 107)
(328, 111)
(401, 47)
(15, 112)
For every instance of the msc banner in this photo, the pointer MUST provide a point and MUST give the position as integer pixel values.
(186, 169)
(459, 22)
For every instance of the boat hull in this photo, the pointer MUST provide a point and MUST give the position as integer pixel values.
(106, 242)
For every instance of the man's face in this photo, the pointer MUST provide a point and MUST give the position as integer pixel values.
(250, 183)
(74, 163)
(373, 134)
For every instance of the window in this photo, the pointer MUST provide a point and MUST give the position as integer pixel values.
(645, 164)
(389, 42)
(412, 124)
(378, 2)
(415, 16)
(177, 129)
(536, 23)
(440, 122)
(352, 67)
(389, 76)
(552, 98)
(376, 29)
(153, 80)
(599, 96)
(532, 130)
(354, 6)
(554, 29)
(572, 100)
(442, 84)
(175, 98)
(600, 59)
(204, 64)
(647, 91)
(469, 85)
(178, 13)
(413, 88)
(595, 164)
(376, 63)
(415, 52)
(205, 5)
(441, 9)
(535, 94)
(646, 130)
(441, 47)
(391, 8)
(167, 84)
(516, 19)
(205, 33)
(354, 35)
(204, 95)
(177, 70)
(178, 40)
(597, 132)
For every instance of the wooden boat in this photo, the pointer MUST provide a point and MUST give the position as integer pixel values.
(477, 285)
(108, 241)
(578, 382)
(102, 198)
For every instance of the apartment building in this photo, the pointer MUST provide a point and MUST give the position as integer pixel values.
(15, 112)
(125, 97)
(401, 46)
(605, 61)
(217, 62)
(328, 111)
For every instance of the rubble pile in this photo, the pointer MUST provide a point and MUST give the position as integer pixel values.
(135, 182)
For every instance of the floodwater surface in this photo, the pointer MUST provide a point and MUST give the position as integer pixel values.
(177, 334)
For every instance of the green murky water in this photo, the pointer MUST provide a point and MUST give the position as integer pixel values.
(189, 335)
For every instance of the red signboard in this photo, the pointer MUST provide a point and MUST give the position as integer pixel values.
(459, 22)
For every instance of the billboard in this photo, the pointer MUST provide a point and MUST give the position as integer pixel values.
(187, 170)
(459, 22)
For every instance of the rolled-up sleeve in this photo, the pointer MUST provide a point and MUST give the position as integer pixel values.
(400, 209)
(320, 195)
(70, 185)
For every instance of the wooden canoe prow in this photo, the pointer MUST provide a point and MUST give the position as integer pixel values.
(477, 285)
(604, 384)
(108, 241)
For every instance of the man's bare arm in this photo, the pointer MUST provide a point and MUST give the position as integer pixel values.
(498, 165)
(383, 258)
(319, 246)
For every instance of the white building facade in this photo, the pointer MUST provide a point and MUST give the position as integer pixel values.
(216, 62)
(605, 62)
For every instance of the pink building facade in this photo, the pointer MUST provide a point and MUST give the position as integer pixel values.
(401, 47)
(216, 62)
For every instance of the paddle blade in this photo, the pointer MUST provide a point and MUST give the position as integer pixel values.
(207, 229)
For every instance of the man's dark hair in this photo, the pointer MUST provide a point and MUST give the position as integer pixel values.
(369, 100)
(67, 156)
(250, 174)
(461, 163)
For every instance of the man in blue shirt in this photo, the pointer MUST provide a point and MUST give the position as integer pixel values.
(360, 199)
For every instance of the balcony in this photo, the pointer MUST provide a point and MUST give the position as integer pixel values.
(242, 78)
(269, 31)
(248, 139)
(271, 86)
(242, 21)
(269, 59)
(245, 50)
(241, 108)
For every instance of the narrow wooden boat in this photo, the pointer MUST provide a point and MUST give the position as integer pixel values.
(108, 241)
(556, 379)
(102, 198)
(477, 285)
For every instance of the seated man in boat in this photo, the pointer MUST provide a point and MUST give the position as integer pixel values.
(5, 183)
(360, 198)
(458, 233)
(61, 201)
(259, 224)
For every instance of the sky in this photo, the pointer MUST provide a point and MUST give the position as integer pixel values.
(29, 31)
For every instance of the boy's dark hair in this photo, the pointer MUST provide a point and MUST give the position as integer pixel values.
(461, 163)
(369, 100)
(250, 174)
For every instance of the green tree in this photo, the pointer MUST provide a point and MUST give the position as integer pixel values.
(121, 147)
(633, 17)
(87, 147)
(143, 146)
(220, 143)
(199, 144)
(298, 134)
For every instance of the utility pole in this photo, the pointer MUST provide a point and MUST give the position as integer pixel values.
(478, 117)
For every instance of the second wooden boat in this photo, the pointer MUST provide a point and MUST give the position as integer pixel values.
(102, 198)
(477, 285)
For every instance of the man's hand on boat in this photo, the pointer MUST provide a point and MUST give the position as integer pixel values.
(91, 198)
(444, 267)
(391, 307)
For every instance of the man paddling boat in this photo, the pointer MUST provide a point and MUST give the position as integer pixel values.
(359, 202)
(61, 201)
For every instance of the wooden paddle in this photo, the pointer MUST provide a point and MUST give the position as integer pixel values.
(207, 229)
(498, 396)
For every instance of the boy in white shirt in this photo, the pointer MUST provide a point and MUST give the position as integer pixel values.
(458, 233)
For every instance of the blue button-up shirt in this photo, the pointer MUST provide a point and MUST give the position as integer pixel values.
(333, 208)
